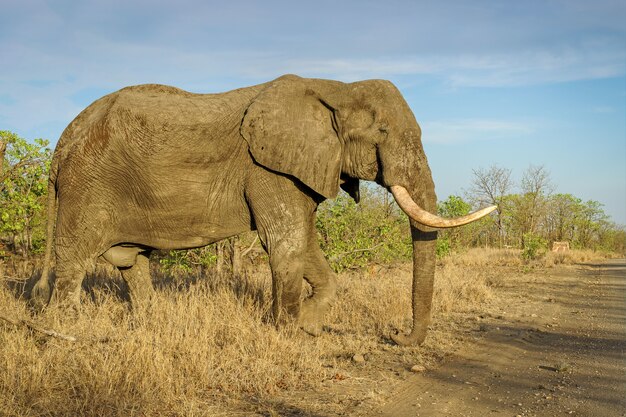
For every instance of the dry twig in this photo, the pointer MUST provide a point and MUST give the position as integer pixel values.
(36, 328)
(342, 255)
(245, 252)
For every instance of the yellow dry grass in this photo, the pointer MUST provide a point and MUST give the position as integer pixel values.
(206, 346)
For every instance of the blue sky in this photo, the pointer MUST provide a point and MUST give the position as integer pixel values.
(491, 82)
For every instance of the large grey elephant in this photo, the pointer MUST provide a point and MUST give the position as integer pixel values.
(155, 167)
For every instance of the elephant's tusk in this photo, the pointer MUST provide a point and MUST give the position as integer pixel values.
(421, 216)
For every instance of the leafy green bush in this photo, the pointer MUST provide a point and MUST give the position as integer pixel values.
(535, 247)
(458, 237)
(443, 247)
(353, 235)
(188, 260)
(23, 190)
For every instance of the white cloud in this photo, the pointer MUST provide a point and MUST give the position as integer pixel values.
(54, 52)
(530, 67)
(467, 130)
(603, 110)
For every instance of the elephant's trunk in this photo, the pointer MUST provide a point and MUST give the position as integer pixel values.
(406, 173)
(421, 192)
(424, 244)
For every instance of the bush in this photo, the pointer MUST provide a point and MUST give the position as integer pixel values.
(443, 247)
(535, 247)
(354, 235)
(23, 189)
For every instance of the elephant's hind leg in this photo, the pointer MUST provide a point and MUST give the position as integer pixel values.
(137, 277)
(40, 293)
(68, 283)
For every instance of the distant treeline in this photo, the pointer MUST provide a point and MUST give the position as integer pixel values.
(530, 216)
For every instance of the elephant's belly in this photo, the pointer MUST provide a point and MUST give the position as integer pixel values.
(177, 231)
(184, 206)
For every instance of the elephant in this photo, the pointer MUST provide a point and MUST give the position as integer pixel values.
(156, 167)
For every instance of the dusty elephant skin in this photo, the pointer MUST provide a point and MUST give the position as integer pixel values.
(155, 167)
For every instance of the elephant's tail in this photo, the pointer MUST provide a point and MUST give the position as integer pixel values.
(40, 294)
(51, 214)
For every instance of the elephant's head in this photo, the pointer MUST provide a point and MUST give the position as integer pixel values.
(330, 134)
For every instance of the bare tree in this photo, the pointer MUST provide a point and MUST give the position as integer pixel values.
(561, 215)
(490, 187)
(535, 186)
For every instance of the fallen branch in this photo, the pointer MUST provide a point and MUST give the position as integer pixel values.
(33, 326)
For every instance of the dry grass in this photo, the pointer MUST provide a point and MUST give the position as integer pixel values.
(179, 357)
(573, 257)
(206, 345)
(483, 257)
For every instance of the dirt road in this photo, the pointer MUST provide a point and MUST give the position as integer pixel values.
(557, 348)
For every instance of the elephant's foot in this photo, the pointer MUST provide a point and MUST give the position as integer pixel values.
(286, 315)
(415, 338)
(312, 316)
(40, 295)
(311, 325)
(142, 298)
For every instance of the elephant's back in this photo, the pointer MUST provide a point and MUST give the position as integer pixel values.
(155, 153)
(149, 140)
(153, 118)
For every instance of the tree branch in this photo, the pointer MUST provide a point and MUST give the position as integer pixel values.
(33, 326)
(249, 248)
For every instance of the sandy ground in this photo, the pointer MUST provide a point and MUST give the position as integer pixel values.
(554, 345)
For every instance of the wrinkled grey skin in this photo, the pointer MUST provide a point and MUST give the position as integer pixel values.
(154, 167)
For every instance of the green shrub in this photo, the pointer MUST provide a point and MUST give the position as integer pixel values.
(23, 189)
(354, 235)
(535, 247)
(187, 260)
(443, 247)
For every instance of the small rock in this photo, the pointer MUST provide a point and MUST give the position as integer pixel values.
(358, 358)
(533, 315)
(563, 367)
(418, 368)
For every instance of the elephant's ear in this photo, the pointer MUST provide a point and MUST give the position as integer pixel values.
(290, 129)
(351, 186)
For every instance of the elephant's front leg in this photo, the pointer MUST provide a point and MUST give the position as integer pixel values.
(323, 282)
(282, 213)
(287, 271)
(284, 238)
